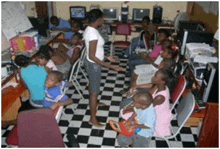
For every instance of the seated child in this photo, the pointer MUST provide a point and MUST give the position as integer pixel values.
(144, 78)
(144, 113)
(60, 59)
(169, 52)
(162, 84)
(54, 91)
(42, 58)
(76, 46)
(154, 57)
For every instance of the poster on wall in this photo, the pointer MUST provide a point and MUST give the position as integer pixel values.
(14, 19)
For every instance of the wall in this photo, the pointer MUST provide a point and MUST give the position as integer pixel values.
(169, 8)
(29, 8)
(198, 13)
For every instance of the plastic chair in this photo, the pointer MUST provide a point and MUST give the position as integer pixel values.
(178, 90)
(184, 110)
(74, 76)
(121, 29)
(34, 129)
(81, 63)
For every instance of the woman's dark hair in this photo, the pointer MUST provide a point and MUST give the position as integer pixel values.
(22, 60)
(58, 74)
(146, 18)
(53, 18)
(167, 34)
(78, 35)
(94, 15)
(169, 77)
(44, 52)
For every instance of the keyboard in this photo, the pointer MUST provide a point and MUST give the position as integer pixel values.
(205, 59)
(198, 99)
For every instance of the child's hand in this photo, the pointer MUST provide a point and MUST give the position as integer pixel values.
(143, 55)
(131, 91)
(70, 84)
(128, 109)
(54, 106)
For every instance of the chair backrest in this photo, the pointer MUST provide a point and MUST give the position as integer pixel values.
(123, 29)
(178, 90)
(184, 110)
(74, 70)
(82, 56)
(38, 128)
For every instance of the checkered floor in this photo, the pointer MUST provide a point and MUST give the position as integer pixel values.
(77, 115)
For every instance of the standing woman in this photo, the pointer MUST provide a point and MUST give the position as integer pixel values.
(94, 60)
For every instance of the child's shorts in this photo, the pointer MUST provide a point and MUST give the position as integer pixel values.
(137, 140)
(94, 72)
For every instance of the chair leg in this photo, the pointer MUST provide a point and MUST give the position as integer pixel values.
(77, 89)
(111, 50)
(84, 74)
(167, 142)
(79, 85)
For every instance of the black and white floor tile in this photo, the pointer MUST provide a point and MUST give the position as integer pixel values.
(75, 120)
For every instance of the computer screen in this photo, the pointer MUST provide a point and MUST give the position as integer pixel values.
(197, 37)
(40, 24)
(77, 12)
(189, 25)
(110, 13)
(138, 14)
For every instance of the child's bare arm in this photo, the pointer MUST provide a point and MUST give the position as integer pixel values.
(151, 61)
(142, 126)
(62, 48)
(75, 55)
(66, 102)
(158, 100)
(61, 103)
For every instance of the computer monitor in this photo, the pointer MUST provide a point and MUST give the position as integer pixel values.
(138, 14)
(77, 12)
(197, 37)
(40, 24)
(188, 25)
(110, 14)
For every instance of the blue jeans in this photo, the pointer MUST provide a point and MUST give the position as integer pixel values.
(134, 44)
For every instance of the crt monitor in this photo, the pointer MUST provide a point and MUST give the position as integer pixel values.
(197, 37)
(138, 14)
(110, 14)
(189, 25)
(77, 12)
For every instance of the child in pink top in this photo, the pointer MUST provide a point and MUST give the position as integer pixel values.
(163, 81)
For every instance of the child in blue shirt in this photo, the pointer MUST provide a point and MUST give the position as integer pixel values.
(62, 25)
(144, 113)
(54, 91)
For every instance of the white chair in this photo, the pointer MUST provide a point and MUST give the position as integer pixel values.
(184, 110)
(81, 64)
(74, 76)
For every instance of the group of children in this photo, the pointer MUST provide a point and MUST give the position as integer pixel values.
(150, 101)
(150, 107)
(55, 65)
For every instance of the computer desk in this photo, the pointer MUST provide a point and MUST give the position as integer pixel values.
(11, 96)
(137, 27)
